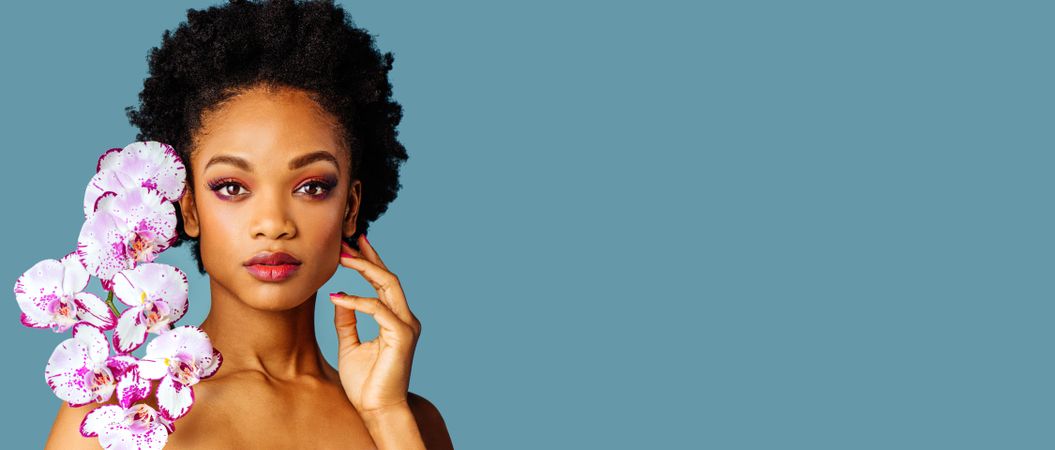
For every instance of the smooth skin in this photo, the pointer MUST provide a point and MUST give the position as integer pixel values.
(262, 169)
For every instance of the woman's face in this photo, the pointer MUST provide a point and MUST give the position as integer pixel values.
(269, 176)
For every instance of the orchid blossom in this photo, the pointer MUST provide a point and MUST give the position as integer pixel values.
(134, 427)
(80, 370)
(77, 370)
(156, 295)
(179, 358)
(127, 228)
(50, 296)
(142, 164)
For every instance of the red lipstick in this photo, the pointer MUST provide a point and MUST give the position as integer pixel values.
(272, 266)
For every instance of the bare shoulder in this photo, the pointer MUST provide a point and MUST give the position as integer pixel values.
(430, 423)
(66, 432)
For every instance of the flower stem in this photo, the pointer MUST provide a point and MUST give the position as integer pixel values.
(110, 302)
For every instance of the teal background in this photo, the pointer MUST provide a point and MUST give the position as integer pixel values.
(727, 225)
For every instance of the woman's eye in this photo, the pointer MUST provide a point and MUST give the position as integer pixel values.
(232, 189)
(227, 189)
(314, 189)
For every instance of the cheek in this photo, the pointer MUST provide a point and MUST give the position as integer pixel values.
(221, 231)
(322, 222)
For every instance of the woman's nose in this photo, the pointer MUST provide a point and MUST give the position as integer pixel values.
(273, 221)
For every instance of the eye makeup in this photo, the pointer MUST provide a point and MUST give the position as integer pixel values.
(316, 188)
(321, 186)
(222, 187)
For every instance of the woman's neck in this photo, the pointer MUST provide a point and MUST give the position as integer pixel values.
(280, 344)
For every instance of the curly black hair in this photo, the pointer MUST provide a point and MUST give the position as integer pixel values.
(310, 45)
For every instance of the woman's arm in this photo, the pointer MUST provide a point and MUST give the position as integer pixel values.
(375, 374)
(409, 425)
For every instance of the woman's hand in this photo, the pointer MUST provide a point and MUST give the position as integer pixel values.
(375, 374)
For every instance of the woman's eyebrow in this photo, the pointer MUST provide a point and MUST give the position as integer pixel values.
(232, 160)
(309, 158)
(295, 163)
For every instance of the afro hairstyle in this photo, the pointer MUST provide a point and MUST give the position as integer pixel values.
(314, 46)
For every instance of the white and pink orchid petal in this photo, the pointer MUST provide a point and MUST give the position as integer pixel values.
(102, 420)
(126, 289)
(120, 364)
(154, 165)
(74, 275)
(37, 290)
(174, 398)
(69, 372)
(104, 159)
(94, 341)
(130, 331)
(29, 322)
(101, 183)
(131, 388)
(101, 244)
(170, 425)
(153, 368)
(93, 310)
(151, 282)
(45, 277)
(209, 366)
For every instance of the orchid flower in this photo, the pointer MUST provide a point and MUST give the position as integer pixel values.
(127, 228)
(135, 427)
(147, 164)
(157, 297)
(50, 296)
(179, 358)
(77, 371)
(80, 370)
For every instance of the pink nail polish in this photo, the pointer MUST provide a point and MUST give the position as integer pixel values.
(347, 255)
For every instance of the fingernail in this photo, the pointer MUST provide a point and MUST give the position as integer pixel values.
(347, 255)
(333, 295)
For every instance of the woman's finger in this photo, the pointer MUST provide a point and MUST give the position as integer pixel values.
(369, 252)
(345, 322)
(391, 327)
(365, 251)
(347, 249)
(386, 283)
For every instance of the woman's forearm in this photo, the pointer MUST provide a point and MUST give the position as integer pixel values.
(394, 428)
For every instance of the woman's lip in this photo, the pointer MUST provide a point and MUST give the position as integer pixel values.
(272, 258)
(265, 272)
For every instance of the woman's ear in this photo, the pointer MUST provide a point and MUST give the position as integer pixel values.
(189, 211)
(351, 210)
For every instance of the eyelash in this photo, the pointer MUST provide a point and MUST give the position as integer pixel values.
(217, 185)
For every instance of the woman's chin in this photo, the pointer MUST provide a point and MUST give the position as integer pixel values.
(275, 297)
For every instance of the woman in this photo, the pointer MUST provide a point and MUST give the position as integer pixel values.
(282, 113)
